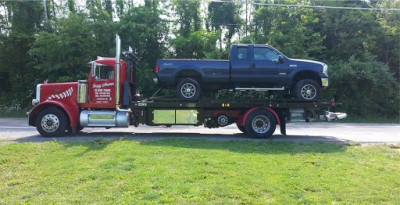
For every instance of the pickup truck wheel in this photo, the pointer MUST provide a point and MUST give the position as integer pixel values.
(51, 122)
(307, 90)
(188, 89)
(260, 124)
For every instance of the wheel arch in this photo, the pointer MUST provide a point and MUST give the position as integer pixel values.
(306, 74)
(51, 104)
(242, 120)
(188, 73)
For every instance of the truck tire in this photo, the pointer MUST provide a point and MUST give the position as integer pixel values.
(308, 90)
(260, 124)
(188, 89)
(241, 128)
(52, 122)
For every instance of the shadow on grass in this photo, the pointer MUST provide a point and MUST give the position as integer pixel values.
(95, 145)
(248, 146)
(91, 144)
(239, 142)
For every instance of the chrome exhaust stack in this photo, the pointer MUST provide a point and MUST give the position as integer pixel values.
(118, 74)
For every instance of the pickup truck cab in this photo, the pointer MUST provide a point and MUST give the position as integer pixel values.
(251, 67)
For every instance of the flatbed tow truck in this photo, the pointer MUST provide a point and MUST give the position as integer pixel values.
(109, 98)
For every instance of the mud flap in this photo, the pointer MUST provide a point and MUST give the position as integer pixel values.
(283, 123)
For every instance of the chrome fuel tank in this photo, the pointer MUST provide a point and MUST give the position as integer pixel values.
(103, 118)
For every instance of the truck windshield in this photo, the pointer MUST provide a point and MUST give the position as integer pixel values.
(103, 72)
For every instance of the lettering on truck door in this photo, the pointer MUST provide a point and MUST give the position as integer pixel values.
(102, 85)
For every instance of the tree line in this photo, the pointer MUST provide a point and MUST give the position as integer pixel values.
(55, 41)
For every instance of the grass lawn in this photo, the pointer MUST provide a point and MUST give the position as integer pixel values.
(195, 171)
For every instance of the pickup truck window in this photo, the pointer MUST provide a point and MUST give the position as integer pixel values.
(265, 54)
(242, 53)
(103, 72)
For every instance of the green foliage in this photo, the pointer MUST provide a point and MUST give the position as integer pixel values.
(366, 87)
(16, 70)
(224, 15)
(289, 30)
(388, 42)
(64, 54)
(142, 28)
(349, 32)
(189, 16)
(199, 44)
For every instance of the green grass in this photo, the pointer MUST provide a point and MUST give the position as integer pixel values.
(187, 171)
(14, 114)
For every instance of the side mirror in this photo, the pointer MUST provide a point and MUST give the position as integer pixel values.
(281, 59)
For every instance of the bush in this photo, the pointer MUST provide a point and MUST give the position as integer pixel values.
(366, 87)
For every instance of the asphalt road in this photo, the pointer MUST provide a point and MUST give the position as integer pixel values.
(14, 130)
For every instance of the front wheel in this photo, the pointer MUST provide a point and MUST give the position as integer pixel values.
(52, 122)
(188, 89)
(260, 124)
(307, 90)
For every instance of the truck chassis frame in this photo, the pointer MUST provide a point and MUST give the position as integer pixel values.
(213, 113)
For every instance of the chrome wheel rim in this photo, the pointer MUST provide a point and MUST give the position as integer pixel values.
(188, 90)
(50, 123)
(308, 92)
(261, 124)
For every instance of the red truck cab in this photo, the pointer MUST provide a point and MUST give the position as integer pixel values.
(101, 84)
(95, 102)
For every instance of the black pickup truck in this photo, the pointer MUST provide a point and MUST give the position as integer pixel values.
(249, 68)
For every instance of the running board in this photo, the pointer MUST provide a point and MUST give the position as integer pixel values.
(259, 89)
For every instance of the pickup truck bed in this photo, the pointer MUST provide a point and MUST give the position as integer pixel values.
(214, 72)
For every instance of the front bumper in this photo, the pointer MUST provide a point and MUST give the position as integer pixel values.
(325, 82)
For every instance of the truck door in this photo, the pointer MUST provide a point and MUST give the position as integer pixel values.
(102, 86)
(266, 70)
(240, 65)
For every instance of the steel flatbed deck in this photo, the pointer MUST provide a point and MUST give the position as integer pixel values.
(213, 113)
(230, 103)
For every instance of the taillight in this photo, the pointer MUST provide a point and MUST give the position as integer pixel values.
(156, 68)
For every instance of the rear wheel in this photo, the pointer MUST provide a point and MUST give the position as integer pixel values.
(52, 122)
(308, 90)
(260, 124)
(188, 89)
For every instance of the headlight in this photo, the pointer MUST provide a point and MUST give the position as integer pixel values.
(325, 69)
(35, 102)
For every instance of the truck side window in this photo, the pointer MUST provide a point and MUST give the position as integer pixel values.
(103, 72)
(265, 54)
(242, 53)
